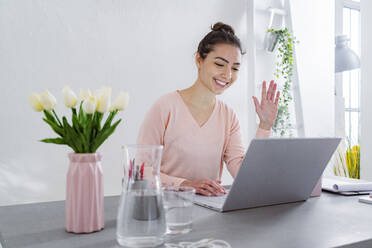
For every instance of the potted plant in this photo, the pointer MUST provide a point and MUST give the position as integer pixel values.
(85, 134)
(284, 69)
(347, 162)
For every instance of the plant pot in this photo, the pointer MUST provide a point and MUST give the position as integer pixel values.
(84, 193)
(271, 41)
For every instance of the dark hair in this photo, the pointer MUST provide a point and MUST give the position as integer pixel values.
(221, 34)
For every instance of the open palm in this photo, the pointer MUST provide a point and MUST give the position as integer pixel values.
(267, 110)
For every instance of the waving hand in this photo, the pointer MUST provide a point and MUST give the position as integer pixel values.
(267, 109)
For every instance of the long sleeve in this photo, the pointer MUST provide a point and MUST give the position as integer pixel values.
(235, 152)
(152, 132)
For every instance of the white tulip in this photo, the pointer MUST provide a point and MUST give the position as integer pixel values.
(121, 102)
(84, 94)
(89, 105)
(35, 102)
(48, 101)
(103, 99)
(97, 93)
(69, 97)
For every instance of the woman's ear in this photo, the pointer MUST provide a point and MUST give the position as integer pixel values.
(198, 60)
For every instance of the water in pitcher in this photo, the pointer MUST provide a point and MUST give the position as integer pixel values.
(141, 220)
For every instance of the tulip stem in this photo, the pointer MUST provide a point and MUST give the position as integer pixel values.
(57, 117)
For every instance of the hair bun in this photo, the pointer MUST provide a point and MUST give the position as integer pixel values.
(219, 26)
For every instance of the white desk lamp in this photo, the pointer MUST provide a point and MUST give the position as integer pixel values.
(345, 58)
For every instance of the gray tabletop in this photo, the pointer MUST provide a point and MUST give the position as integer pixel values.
(327, 221)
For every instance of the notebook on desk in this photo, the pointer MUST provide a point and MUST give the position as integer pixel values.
(346, 186)
(275, 171)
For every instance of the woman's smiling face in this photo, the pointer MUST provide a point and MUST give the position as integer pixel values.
(219, 70)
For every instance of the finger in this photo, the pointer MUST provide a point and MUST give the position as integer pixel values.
(211, 189)
(263, 93)
(256, 103)
(270, 90)
(203, 192)
(204, 188)
(277, 97)
(218, 187)
(221, 188)
(215, 186)
(219, 183)
(273, 93)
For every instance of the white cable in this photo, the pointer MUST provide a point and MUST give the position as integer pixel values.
(204, 243)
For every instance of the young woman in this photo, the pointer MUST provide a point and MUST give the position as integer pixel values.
(199, 132)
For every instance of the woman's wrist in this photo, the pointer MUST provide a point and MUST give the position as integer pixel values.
(265, 126)
(185, 183)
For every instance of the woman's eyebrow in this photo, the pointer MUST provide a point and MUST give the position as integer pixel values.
(225, 60)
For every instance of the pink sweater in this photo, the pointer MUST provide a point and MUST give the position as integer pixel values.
(192, 152)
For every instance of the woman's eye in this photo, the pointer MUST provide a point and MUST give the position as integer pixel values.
(235, 69)
(220, 65)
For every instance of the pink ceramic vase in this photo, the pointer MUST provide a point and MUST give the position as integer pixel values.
(84, 193)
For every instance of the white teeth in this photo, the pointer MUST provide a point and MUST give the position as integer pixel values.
(220, 83)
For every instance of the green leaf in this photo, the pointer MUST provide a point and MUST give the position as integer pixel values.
(81, 115)
(103, 135)
(58, 141)
(99, 119)
(76, 125)
(49, 116)
(87, 131)
(109, 119)
(57, 129)
(71, 137)
(55, 114)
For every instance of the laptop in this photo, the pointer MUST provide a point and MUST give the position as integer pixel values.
(275, 171)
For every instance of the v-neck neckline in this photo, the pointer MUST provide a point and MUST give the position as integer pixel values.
(190, 114)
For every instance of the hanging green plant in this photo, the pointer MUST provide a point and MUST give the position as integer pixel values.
(284, 69)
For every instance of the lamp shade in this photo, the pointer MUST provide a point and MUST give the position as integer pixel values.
(345, 58)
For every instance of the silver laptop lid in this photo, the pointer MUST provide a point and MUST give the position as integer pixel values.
(279, 170)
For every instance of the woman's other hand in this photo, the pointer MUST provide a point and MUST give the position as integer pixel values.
(267, 110)
(206, 187)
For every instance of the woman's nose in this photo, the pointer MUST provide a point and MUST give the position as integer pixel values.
(227, 73)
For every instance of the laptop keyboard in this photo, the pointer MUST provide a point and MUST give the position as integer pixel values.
(213, 201)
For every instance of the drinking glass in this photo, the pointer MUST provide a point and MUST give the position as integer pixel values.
(178, 204)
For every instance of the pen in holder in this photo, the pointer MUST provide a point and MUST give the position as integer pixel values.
(145, 200)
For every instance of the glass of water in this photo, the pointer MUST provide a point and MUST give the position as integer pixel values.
(178, 204)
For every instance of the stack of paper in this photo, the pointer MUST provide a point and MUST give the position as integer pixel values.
(346, 186)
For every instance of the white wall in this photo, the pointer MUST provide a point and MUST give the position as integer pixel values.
(315, 59)
(145, 47)
(366, 90)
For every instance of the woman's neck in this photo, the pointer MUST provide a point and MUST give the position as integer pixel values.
(199, 96)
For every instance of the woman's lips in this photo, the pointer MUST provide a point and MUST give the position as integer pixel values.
(220, 83)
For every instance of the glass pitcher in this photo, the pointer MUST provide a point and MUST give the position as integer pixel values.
(141, 218)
